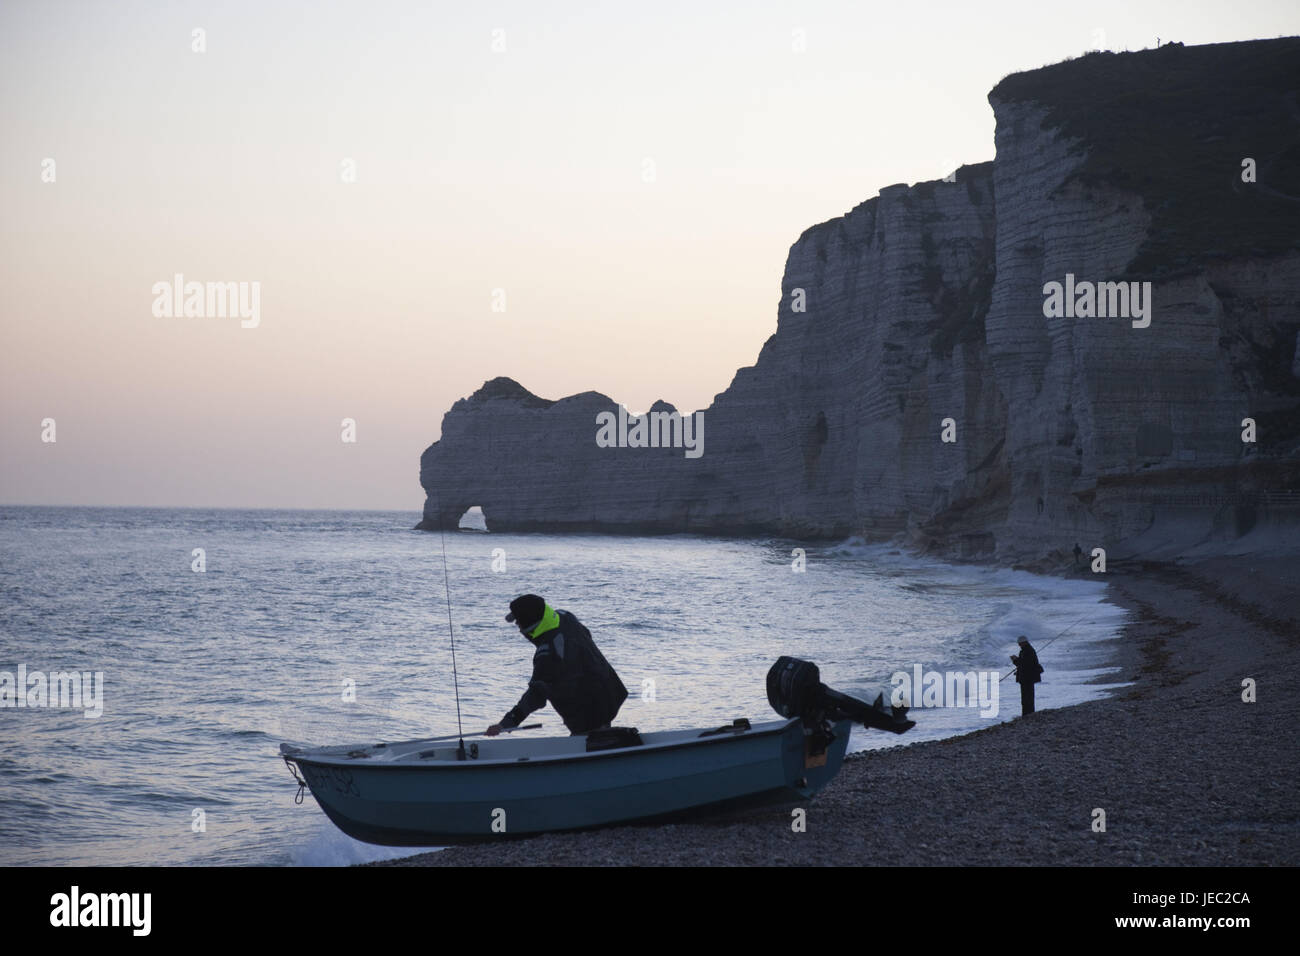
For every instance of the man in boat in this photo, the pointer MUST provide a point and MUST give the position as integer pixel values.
(569, 671)
(1028, 673)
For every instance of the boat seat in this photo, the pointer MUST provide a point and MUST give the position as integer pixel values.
(737, 726)
(611, 738)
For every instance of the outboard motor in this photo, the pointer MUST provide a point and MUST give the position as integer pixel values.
(794, 689)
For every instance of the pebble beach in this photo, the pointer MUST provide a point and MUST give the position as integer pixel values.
(1186, 772)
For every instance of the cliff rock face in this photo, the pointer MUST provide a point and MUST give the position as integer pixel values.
(829, 431)
(921, 312)
(1129, 168)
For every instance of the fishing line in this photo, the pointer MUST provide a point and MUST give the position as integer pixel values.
(1047, 645)
(446, 583)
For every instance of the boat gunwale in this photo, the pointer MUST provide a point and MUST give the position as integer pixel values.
(342, 760)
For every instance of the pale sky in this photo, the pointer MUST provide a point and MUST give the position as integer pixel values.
(522, 169)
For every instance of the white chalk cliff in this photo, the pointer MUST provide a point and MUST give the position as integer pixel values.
(925, 303)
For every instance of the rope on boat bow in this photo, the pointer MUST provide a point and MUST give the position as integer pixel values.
(302, 784)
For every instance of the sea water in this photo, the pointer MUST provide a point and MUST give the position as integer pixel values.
(218, 634)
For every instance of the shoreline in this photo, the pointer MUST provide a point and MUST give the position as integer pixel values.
(1186, 773)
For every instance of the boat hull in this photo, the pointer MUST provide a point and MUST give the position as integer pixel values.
(403, 804)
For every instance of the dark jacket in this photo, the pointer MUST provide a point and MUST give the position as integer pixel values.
(570, 672)
(1028, 670)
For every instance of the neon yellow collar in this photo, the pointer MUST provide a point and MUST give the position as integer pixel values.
(549, 622)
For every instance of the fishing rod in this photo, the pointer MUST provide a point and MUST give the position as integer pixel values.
(1047, 645)
(504, 730)
(451, 634)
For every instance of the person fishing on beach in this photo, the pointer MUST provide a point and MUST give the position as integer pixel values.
(568, 670)
(1028, 673)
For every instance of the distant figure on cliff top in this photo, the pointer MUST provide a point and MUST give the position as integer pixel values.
(1078, 553)
(1028, 673)
(568, 670)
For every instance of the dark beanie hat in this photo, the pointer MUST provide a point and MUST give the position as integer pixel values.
(526, 610)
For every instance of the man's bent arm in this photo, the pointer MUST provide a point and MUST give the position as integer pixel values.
(534, 699)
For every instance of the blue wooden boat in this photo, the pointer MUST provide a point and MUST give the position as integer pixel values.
(417, 794)
(431, 793)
